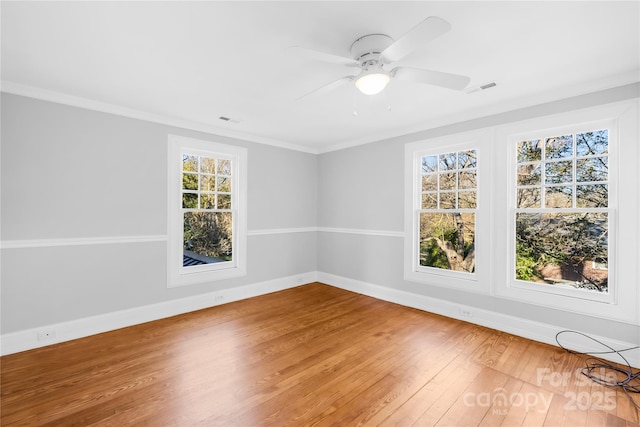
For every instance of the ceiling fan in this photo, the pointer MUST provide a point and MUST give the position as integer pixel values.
(374, 53)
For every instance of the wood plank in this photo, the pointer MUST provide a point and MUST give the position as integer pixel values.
(429, 403)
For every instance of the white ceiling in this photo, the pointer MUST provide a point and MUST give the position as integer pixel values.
(188, 63)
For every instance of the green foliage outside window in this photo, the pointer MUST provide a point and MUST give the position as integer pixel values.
(207, 201)
(561, 220)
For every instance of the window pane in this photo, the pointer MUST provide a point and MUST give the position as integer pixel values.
(529, 151)
(189, 181)
(224, 167)
(467, 200)
(528, 198)
(189, 163)
(467, 159)
(224, 201)
(189, 201)
(448, 200)
(429, 164)
(207, 165)
(559, 197)
(430, 182)
(529, 174)
(207, 183)
(592, 143)
(560, 249)
(447, 241)
(447, 161)
(224, 184)
(592, 196)
(207, 201)
(207, 238)
(559, 172)
(430, 201)
(559, 147)
(593, 169)
(448, 181)
(467, 180)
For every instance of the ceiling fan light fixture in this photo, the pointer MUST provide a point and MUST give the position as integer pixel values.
(372, 81)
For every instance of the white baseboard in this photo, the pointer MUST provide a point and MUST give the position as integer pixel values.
(66, 331)
(525, 328)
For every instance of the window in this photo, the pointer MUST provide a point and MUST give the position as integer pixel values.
(562, 210)
(565, 211)
(207, 199)
(547, 208)
(443, 193)
(447, 212)
(207, 213)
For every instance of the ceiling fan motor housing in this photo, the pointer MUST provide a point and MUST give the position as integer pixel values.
(367, 49)
(373, 52)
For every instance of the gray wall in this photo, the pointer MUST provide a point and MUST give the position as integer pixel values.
(73, 173)
(362, 187)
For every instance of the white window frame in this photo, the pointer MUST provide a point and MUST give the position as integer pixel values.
(618, 304)
(177, 274)
(610, 210)
(478, 281)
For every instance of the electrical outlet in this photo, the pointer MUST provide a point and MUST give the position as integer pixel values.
(466, 312)
(218, 299)
(46, 335)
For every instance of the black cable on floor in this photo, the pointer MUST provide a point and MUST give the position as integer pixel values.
(626, 378)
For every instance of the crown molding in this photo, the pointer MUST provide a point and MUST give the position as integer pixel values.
(119, 110)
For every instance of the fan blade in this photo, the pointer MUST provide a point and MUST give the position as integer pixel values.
(322, 56)
(436, 78)
(419, 35)
(327, 88)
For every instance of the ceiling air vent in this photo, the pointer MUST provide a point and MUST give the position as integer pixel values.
(228, 119)
(479, 88)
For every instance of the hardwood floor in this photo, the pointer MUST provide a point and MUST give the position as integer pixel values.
(312, 355)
